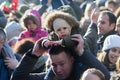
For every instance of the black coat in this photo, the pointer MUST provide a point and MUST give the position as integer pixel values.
(28, 62)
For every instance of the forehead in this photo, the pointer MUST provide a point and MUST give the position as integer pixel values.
(62, 56)
(103, 17)
(117, 48)
(91, 76)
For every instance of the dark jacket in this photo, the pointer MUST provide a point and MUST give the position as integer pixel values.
(5, 72)
(55, 3)
(101, 39)
(91, 37)
(29, 60)
(67, 40)
(93, 40)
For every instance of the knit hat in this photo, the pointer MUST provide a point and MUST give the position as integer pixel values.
(13, 29)
(111, 42)
(118, 20)
(57, 23)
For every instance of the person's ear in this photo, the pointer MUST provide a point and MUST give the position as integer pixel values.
(112, 26)
(72, 59)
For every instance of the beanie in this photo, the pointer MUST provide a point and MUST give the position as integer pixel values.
(58, 22)
(111, 42)
(13, 29)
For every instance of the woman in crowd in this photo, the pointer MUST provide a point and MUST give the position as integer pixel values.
(111, 52)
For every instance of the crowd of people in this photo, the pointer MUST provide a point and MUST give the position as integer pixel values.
(60, 40)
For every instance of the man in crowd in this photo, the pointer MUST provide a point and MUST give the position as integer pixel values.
(63, 63)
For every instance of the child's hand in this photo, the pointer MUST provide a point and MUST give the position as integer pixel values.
(38, 50)
(57, 42)
(48, 43)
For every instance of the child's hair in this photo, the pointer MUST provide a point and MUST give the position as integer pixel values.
(59, 14)
(29, 17)
(95, 72)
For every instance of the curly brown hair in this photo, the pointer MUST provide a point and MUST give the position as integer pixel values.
(59, 14)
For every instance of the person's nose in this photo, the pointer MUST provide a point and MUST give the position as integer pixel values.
(62, 31)
(58, 69)
(117, 54)
(99, 25)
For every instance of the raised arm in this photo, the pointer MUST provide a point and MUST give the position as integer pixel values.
(23, 71)
(87, 58)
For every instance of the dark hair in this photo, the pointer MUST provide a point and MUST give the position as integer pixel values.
(111, 2)
(112, 17)
(55, 50)
(2, 32)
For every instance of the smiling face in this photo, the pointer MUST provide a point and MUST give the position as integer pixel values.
(62, 65)
(114, 54)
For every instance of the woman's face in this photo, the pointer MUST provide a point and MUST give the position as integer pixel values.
(114, 54)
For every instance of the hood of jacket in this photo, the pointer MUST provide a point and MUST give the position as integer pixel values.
(36, 13)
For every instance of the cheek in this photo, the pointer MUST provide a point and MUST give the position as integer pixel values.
(58, 34)
(111, 53)
(118, 29)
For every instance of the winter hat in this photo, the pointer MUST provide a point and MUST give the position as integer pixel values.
(36, 13)
(13, 29)
(57, 23)
(111, 42)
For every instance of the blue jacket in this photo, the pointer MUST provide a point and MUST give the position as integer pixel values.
(4, 74)
(55, 3)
